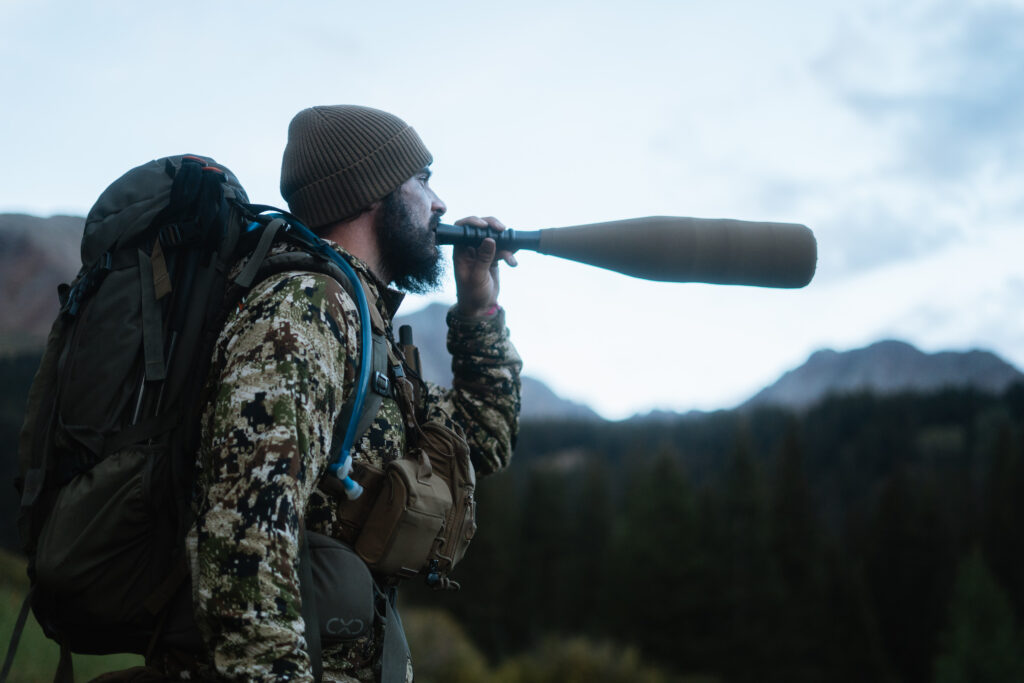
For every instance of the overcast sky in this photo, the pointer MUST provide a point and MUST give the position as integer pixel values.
(894, 130)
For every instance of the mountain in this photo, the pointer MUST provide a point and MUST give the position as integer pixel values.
(36, 255)
(886, 367)
(430, 333)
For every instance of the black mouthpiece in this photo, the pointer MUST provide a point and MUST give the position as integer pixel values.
(507, 240)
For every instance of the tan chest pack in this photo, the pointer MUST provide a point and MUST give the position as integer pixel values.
(417, 514)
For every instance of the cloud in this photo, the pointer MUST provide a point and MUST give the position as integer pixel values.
(871, 234)
(944, 78)
(981, 320)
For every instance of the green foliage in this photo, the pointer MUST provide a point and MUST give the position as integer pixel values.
(441, 651)
(981, 643)
(578, 661)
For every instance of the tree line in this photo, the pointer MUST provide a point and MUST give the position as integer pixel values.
(869, 538)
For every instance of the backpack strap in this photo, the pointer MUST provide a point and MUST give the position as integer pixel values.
(380, 386)
(152, 324)
(376, 372)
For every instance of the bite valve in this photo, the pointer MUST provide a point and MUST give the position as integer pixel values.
(352, 488)
(342, 470)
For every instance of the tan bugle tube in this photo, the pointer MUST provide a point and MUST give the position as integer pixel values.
(670, 248)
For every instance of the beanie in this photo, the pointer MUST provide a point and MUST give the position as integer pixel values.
(340, 159)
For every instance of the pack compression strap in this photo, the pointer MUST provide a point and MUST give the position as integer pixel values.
(19, 626)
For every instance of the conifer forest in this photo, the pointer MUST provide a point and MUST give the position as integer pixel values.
(868, 539)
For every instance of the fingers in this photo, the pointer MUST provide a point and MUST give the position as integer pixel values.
(490, 222)
(485, 253)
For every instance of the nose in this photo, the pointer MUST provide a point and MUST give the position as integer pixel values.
(436, 204)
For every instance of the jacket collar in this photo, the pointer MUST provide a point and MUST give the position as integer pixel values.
(386, 299)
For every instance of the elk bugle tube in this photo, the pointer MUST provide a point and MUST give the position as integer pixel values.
(670, 248)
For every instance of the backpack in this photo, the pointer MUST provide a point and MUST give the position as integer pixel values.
(107, 449)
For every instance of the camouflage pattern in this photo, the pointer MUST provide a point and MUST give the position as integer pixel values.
(283, 366)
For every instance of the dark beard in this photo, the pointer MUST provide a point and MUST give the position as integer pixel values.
(408, 252)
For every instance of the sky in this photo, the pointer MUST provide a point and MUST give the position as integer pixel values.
(895, 131)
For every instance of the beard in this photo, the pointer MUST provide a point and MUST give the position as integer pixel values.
(409, 252)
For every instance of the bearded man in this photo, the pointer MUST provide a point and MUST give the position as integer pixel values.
(286, 363)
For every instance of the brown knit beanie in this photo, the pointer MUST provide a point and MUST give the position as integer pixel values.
(342, 158)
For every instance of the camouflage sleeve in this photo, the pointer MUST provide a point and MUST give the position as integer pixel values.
(484, 398)
(283, 368)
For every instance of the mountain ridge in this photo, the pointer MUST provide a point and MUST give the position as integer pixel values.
(885, 367)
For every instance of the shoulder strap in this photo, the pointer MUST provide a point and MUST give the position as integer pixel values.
(379, 388)
(377, 384)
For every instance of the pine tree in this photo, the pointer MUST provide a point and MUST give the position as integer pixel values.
(754, 599)
(797, 548)
(590, 529)
(981, 643)
(654, 556)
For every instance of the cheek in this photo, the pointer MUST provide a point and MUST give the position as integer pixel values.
(421, 202)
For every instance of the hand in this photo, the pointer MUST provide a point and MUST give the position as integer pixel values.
(476, 270)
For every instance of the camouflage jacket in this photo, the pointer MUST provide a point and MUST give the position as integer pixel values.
(283, 367)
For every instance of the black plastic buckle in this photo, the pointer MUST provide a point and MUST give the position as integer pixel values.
(170, 235)
(381, 383)
(176, 234)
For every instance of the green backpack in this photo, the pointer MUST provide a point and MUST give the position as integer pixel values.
(107, 448)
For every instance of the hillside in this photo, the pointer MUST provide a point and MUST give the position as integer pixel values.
(36, 254)
(429, 334)
(885, 368)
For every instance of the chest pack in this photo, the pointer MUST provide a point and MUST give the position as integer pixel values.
(417, 514)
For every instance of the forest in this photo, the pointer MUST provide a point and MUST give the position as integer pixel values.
(867, 538)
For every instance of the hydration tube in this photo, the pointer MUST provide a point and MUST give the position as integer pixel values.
(341, 467)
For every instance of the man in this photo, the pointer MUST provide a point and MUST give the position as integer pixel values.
(288, 359)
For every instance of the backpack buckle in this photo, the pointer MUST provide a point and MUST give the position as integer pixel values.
(170, 235)
(176, 234)
(381, 383)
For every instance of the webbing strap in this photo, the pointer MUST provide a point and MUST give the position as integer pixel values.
(152, 326)
(19, 626)
(147, 428)
(248, 274)
(65, 668)
(371, 402)
(186, 182)
(394, 656)
(308, 596)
